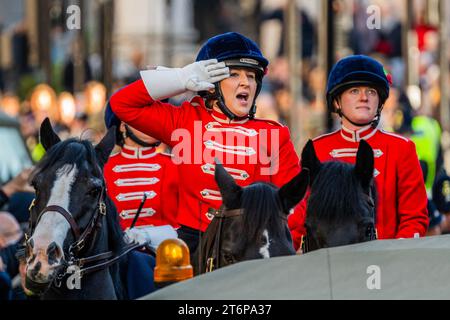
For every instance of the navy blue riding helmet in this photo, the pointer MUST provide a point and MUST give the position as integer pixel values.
(358, 70)
(235, 50)
(112, 120)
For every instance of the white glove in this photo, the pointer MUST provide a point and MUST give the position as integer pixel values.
(151, 235)
(162, 82)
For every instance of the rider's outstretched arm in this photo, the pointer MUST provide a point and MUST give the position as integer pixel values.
(138, 103)
(134, 106)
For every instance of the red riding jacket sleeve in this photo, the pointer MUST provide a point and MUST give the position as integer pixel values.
(412, 201)
(296, 223)
(129, 104)
(286, 163)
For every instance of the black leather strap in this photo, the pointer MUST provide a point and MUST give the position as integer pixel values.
(3, 198)
(66, 215)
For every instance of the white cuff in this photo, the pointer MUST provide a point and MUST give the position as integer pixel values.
(163, 83)
(156, 235)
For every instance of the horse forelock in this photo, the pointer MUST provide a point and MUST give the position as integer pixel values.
(69, 152)
(336, 194)
(262, 211)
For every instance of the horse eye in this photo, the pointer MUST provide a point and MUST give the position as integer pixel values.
(94, 192)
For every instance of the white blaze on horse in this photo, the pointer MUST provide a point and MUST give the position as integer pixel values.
(48, 237)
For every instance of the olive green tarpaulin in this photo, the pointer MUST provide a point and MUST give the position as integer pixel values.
(383, 269)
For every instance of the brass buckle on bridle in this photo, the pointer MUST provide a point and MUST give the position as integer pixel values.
(33, 203)
(76, 247)
(102, 208)
(302, 244)
(210, 265)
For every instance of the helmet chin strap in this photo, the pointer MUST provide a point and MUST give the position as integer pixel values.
(221, 103)
(226, 111)
(129, 134)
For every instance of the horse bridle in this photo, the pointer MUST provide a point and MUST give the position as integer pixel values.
(213, 260)
(371, 232)
(90, 233)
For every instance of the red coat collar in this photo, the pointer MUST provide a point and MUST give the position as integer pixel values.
(356, 135)
(221, 118)
(138, 153)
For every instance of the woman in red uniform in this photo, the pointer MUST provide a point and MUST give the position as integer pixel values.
(358, 86)
(219, 122)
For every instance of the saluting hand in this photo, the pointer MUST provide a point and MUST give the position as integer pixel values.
(162, 82)
(202, 75)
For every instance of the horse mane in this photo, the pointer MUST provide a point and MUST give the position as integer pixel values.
(262, 209)
(115, 244)
(79, 151)
(336, 194)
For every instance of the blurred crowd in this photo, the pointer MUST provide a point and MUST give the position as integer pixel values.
(410, 111)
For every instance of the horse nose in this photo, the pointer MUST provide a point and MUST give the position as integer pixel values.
(54, 253)
(35, 271)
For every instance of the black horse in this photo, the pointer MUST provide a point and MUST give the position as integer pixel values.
(76, 240)
(341, 206)
(251, 224)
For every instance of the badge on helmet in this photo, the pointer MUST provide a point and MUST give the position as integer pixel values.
(236, 51)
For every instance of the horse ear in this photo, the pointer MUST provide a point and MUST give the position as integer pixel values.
(310, 161)
(47, 136)
(364, 164)
(293, 192)
(229, 189)
(104, 148)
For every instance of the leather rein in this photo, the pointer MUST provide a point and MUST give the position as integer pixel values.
(213, 260)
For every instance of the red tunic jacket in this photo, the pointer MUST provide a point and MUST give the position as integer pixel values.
(250, 150)
(133, 171)
(402, 199)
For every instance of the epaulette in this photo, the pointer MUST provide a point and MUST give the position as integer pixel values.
(272, 122)
(115, 153)
(166, 154)
(325, 135)
(395, 135)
